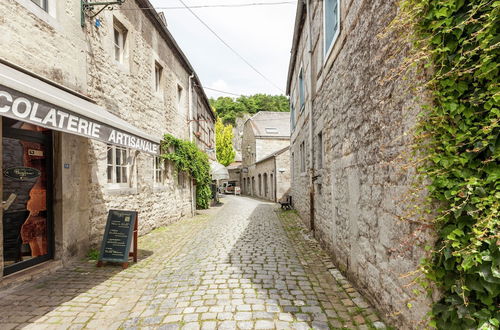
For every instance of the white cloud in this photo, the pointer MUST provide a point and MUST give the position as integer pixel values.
(261, 34)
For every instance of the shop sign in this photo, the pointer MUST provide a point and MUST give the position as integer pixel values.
(19, 106)
(21, 173)
(117, 238)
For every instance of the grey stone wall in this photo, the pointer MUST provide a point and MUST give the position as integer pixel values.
(360, 191)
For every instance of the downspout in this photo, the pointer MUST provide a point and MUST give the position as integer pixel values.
(190, 107)
(190, 127)
(310, 103)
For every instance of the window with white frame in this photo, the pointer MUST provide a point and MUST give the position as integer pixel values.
(118, 165)
(331, 24)
(42, 4)
(158, 76)
(302, 91)
(158, 170)
(119, 41)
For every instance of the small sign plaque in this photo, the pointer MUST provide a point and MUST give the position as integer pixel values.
(117, 238)
(21, 173)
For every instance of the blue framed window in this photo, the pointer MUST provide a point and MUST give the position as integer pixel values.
(331, 24)
(292, 113)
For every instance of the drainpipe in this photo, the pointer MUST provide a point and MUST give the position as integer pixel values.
(190, 127)
(310, 103)
(190, 106)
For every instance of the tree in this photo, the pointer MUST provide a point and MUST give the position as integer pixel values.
(224, 142)
(228, 108)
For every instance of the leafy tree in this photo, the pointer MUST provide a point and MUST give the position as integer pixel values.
(224, 143)
(228, 109)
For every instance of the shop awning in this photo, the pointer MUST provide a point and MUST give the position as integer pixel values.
(29, 99)
(218, 171)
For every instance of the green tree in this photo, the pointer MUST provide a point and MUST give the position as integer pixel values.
(224, 142)
(228, 109)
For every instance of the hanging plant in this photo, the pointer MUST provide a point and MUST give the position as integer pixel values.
(188, 158)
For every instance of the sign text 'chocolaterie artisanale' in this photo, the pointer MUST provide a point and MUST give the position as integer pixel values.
(19, 106)
(115, 245)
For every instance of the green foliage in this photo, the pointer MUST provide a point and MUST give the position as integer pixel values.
(93, 254)
(228, 109)
(224, 143)
(459, 136)
(188, 158)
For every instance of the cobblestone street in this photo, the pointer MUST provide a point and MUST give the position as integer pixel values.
(245, 265)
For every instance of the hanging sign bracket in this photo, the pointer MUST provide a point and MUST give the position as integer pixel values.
(87, 6)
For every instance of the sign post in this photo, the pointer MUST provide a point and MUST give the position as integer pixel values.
(121, 228)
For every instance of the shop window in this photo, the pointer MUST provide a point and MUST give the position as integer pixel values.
(118, 165)
(158, 170)
(331, 24)
(120, 41)
(42, 4)
(158, 77)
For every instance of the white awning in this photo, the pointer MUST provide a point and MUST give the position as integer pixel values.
(218, 171)
(26, 98)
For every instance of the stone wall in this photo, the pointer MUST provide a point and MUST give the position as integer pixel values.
(267, 146)
(360, 191)
(54, 46)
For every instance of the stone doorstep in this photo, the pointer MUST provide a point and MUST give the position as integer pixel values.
(29, 274)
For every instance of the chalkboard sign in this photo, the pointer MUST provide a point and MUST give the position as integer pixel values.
(115, 245)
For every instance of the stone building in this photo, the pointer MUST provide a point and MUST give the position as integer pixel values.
(349, 127)
(265, 155)
(84, 103)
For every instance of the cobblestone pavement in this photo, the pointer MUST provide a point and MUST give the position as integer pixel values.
(246, 265)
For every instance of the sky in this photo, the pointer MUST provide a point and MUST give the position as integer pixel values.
(261, 34)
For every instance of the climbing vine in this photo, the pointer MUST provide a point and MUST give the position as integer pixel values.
(456, 44)
(188, 158)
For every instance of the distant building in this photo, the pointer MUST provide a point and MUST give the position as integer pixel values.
(266, 160)
(84, 106)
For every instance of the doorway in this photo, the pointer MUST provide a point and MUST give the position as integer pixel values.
(28, 237)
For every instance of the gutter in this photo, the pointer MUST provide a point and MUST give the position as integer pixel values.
(311, 126)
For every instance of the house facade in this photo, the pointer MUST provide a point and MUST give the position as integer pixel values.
(349, 128)
(265, 155)
(85, 101)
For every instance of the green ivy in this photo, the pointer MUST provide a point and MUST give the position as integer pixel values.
(188, 158)
(458, 134)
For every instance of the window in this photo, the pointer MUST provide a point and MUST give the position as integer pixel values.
(271, 130)
(302, 94)
(331, 24)
(293, 165)
(292, 114)
(118, 165)
(179, 97)
(181, 179)
(42, 4)
(158, 74)
(320, 150)
(302, 158)
(158, 169)
(119, 41)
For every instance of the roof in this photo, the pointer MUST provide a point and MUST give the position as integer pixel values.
(161, 26)
(270, 124)
(299, 24)
(274, 154)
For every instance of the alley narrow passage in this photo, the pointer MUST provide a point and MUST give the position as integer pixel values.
(246, 265)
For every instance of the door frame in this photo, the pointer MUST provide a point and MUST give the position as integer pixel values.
(47, 140)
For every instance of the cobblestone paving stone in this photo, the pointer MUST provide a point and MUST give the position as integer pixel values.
(246, 266)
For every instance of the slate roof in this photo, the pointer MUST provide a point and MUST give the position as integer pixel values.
(271, 124)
